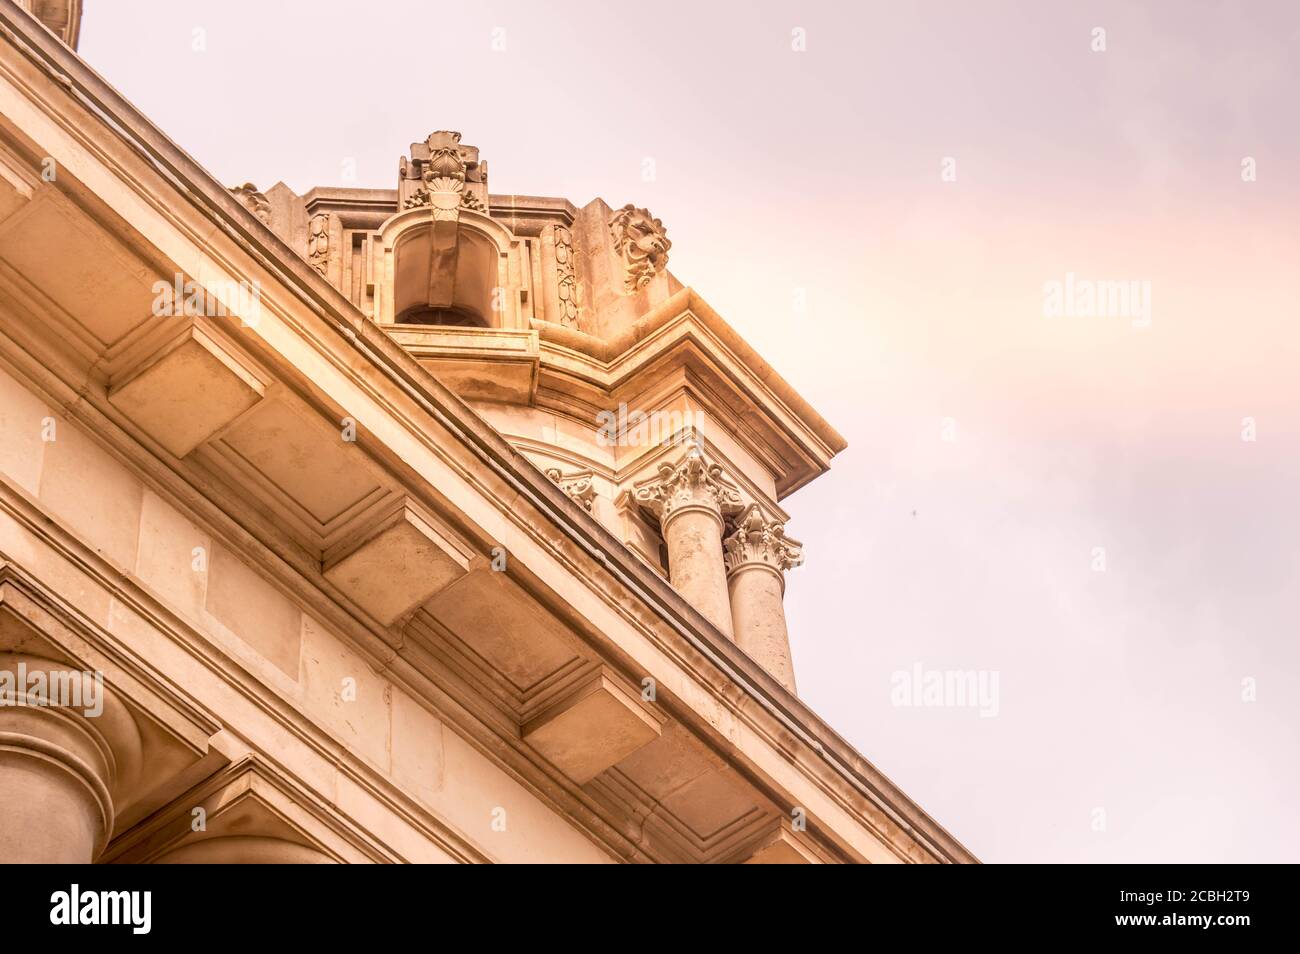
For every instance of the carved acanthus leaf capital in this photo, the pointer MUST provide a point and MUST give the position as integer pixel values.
(577, 486)
(757, 540)
(691, 482)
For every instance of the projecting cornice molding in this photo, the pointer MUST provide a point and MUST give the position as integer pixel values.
(686, 340)
(60, 17)
(332, 370)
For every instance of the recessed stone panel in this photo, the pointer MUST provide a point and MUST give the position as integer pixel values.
(496, 619)
(240, 598)
(711, 803)
(187, 392)
(93, 492)
(82, 269)
(596, 726)
(304, 458)
(399, 565)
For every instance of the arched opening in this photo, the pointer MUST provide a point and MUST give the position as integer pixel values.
(444, 275)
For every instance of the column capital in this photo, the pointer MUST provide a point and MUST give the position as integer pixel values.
(758, 541)
(691, 483)
(66, 746)
(578, 486)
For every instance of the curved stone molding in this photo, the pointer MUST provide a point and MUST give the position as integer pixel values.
(66, 748)
(642, 242)
(245, 850)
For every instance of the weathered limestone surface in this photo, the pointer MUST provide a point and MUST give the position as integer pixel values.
(57, 769)
(692, 501)
(758, 554)
(338, 615)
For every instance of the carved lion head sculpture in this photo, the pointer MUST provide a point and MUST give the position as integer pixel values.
(643, 243)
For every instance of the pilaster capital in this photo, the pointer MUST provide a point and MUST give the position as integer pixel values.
(758, 541)
(691, 483)
(578, 486)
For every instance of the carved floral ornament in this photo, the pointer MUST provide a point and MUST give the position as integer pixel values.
(577, 486)
(566, 276)
(692, 482)
(253, 200)
(468, 200)
(442, 166)
(318, 241)
(642, 242)
(757, 540)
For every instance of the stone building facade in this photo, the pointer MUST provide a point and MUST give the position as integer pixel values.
(418, 524)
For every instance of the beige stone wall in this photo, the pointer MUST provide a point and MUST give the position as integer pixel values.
(353, 515)
(153, 551)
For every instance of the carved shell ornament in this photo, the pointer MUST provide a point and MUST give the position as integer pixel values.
(642, 242)
(468, 200)
(443, 167)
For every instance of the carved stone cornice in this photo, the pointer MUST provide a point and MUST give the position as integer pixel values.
(690, 483)
(759, 541)
(577, 486)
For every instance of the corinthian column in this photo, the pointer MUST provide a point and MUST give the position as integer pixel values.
(757, 555)
(56, 766)
(692, 501)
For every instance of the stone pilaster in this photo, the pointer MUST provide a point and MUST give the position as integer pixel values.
(56, 767)
(757, 555)
(693, 500)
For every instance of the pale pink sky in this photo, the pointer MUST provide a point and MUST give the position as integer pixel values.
(779, 170)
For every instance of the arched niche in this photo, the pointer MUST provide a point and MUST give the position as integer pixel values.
(446, 272)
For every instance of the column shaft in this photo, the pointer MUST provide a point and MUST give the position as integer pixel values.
(692, 500)
(758, 615)
(757, 555)
(695, 567)
(55, 770)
